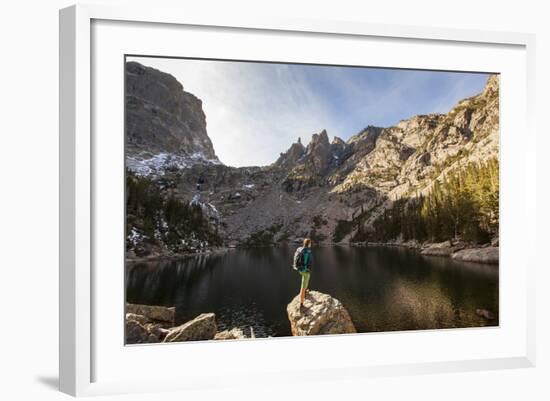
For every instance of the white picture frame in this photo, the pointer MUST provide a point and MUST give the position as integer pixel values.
(82, 343)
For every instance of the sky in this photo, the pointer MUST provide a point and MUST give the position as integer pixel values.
(255, 111)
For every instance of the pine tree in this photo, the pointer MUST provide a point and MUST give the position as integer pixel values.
(463, 205)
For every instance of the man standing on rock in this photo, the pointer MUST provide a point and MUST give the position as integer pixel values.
(302, 263)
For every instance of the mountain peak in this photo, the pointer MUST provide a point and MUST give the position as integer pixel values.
(289, 158)
(319, 139)
(492, 85)
(370, 132)
(162, 118)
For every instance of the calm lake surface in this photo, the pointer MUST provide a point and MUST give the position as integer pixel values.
(383, 288)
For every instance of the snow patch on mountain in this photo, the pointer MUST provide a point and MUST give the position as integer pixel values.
(157, 165)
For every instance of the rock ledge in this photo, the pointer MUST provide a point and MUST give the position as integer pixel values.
(480, 255)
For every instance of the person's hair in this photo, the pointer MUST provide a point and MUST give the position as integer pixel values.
(307, 242)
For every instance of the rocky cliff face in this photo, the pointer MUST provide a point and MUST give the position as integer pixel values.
(411, 154)
(408, 158)
(165, 126)
(316, 189)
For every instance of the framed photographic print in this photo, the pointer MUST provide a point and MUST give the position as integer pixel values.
(235, 193)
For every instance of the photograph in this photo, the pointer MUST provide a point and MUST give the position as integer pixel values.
(286, 200)
(270, 199)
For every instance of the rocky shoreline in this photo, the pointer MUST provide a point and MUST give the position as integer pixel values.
(146, 324)
(149, 324)
(132, 258)
(467, 252)
(320, 314)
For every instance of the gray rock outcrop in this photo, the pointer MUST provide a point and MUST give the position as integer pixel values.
(141, 330)
(203, 327)
(233, 334)
(481, 255)
(152, 312)
(137, 333)
(321, 314)
(161, 117)
(441, 249)
(291, 157)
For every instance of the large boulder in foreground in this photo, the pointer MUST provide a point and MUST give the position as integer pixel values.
(481, 255)
(321, 314)
(203, 327)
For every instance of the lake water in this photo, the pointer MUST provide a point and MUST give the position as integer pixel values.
(383, 288)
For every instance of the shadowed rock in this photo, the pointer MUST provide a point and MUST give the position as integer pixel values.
(289, 158)
(161, 117)
(136, 333)
(321, 314)
(141, 330)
